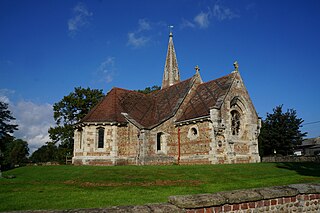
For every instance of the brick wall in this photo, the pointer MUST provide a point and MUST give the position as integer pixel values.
(292, 198)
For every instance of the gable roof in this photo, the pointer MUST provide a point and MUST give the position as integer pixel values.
(207, 96)
(147, 110)
(150, 110)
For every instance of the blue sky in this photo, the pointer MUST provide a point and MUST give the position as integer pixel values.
(49, 47)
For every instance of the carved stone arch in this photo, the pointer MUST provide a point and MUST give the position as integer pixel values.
(238, 115)
(239, 104)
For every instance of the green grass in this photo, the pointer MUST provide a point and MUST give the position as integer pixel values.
(66, 187)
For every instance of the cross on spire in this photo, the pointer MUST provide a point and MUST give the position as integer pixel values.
(236, 66)
(197, 68)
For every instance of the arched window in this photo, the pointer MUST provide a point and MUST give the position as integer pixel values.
(235, 122)
(100, 137)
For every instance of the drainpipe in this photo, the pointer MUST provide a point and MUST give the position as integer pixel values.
(178, 145)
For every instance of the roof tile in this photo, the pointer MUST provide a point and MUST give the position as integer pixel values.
(149, 110)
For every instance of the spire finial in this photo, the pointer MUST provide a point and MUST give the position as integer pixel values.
(197, 68)
(170, 29)
(236, 66)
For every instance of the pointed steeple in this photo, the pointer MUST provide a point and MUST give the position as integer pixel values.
(171, 73)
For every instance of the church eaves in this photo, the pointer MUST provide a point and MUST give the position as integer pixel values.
(171, 73)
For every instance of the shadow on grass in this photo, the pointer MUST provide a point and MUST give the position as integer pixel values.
(303, 168)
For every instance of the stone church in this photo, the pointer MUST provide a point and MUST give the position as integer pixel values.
(186, 122)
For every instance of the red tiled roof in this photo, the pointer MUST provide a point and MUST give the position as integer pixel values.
(207, 95)
(149, 110)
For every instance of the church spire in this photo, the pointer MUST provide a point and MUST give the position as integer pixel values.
(171, 73)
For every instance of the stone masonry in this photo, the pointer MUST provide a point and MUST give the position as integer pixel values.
(186, 122)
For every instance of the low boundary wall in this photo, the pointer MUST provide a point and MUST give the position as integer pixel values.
(291, 198)
(278, 159)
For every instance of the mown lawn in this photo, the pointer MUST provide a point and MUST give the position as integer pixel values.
(67, 187)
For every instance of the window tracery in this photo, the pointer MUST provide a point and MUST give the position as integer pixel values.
(235, 122)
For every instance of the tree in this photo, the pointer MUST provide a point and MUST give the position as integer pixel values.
(149, 89)
(280, 132)
(6, 129)
(46, 153)
(16, 153)
(70, 110)
(5, 118)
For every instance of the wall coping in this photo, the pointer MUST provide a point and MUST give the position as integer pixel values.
(242, 196)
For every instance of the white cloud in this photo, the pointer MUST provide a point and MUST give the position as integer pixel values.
(222, 13)
(4, 93)
(144, 25)
(106, 70)
(138, 37)
(187, 24)
(136, 41)
(79, 19)
(202, 19)
(33, 120)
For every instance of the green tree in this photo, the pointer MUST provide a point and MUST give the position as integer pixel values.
(16, 153)
(67, 112)
(280, 132)
(6, 129)
(149, 89)
(5, 118)
(46, 153)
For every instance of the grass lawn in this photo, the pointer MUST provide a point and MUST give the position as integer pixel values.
(66, 187)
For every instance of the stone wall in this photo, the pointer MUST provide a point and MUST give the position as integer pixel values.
(241, 147)
(291, 198)
(279, 159)
(86, 151)
(195, 139)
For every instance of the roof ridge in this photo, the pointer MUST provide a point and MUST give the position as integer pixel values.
(177, 105)
(234, 77)
(230, 74)
(128, 90)
(188, 79)
(197, 106)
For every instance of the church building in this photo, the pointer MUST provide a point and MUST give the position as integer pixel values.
(185, 122)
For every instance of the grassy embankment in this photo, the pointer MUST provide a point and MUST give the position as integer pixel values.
(65, 187)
